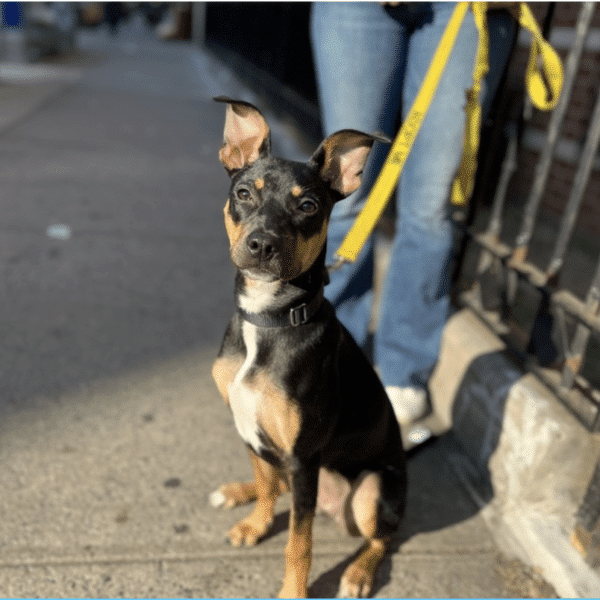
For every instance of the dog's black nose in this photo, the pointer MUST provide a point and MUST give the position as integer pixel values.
(262, 245)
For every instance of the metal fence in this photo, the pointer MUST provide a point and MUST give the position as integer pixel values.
(555, 343)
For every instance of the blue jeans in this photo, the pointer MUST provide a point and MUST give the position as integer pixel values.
(370, 61)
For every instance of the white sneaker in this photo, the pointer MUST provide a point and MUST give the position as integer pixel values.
(418, 435)
(409, 404)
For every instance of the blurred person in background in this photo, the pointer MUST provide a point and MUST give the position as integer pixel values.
(370, 60)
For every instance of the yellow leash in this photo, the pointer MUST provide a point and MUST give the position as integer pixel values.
(544, 64)
(462, 186)
(543, 77)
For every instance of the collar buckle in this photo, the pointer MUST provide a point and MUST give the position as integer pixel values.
(299, 315)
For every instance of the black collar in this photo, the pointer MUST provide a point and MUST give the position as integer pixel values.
(286, 317)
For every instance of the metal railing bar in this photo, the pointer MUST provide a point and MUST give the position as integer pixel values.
(533, 274)
(576, 309)
(583, 402)
(537, 278)
(514, 132)
(509, 166)
(492, 244)
(502, 251)
(580, 183)
(579, 401)
(561, 326)
(542, 169)
(589, 321)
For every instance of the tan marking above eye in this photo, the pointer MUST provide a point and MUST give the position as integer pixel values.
(296, 191)
(259, 183)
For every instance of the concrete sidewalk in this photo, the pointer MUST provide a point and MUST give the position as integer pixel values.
(116, 290)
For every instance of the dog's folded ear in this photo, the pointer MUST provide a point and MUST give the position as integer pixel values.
(341, 158)
(246, 135)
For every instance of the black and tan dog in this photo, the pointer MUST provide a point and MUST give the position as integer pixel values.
(305, 400)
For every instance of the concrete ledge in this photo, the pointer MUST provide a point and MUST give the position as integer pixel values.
(530, 461)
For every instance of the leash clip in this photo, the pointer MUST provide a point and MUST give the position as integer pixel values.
(299, 315)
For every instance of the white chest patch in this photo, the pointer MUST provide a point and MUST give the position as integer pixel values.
(244, 401)
(261, 295)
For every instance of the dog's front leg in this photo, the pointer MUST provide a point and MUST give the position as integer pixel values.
(304, 480)
(268, 487)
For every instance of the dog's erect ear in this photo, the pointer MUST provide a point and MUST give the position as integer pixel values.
(246, 135)
(341, 158)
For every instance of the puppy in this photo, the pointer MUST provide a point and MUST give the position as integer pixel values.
(305, 400)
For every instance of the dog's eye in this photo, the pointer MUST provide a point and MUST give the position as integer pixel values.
(243, 194)
(308, 207)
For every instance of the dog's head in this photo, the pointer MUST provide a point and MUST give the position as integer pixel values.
(278, 210)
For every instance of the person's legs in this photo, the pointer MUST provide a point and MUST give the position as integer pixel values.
(415, 295)
(359, 55)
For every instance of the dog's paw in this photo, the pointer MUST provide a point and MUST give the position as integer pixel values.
(356, 582)
(247, 533)
(255, 526)
(230, 495)
(217, 499)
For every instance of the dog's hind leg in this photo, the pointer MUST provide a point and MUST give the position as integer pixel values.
(377, 504)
